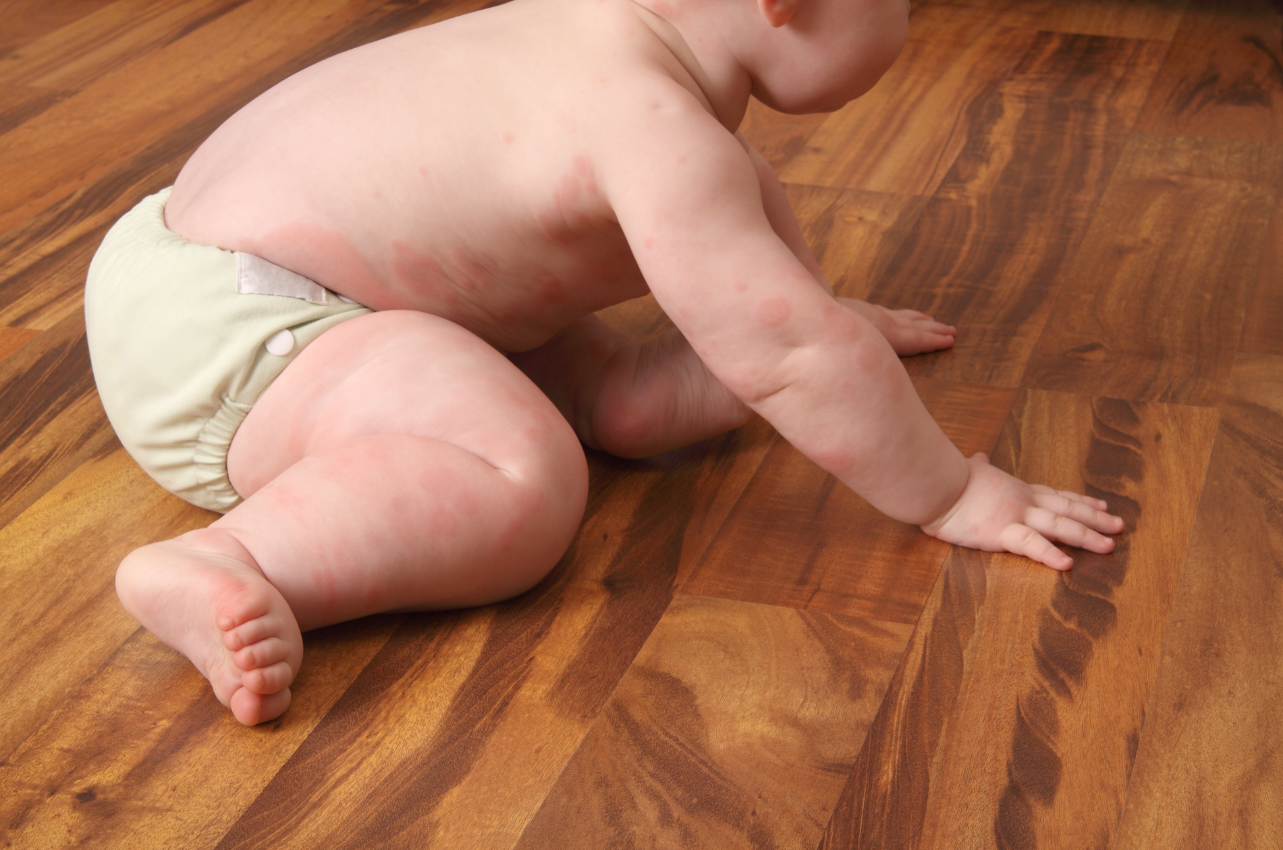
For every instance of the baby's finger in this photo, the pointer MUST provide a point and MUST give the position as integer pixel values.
(936, 328)
(908, 342)
(1101, 504)
(920, 320)
(932, 341)
(1066, 530)
(910, 315)
(1023, 540)
(1060, 503)
(924, 322)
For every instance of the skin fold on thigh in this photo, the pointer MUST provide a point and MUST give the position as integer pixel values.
(401, 372)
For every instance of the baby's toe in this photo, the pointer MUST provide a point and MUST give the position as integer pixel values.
(240, 603)
(269, 679)
(251, 708)
(266, 652)
(251, 632)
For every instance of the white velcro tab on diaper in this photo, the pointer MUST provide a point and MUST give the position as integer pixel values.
(256, 276)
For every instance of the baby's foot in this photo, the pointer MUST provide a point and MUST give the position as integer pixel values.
(202, 595)
(908, 331)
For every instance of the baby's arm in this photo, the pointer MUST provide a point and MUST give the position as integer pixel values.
(689, 199)
(641, 399)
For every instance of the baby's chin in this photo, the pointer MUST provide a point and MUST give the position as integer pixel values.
(806, 100)
(817, 88)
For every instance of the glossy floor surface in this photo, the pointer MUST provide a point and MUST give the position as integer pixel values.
(736, 651)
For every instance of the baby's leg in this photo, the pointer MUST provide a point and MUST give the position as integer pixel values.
(909, 331)
(630, 398)
(399, 463)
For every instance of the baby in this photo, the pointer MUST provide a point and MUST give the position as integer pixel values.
(383, 372)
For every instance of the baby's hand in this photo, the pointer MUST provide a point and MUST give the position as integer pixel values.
(998, 512)
(908, 331)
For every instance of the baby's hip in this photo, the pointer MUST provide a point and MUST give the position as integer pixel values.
(184, 338)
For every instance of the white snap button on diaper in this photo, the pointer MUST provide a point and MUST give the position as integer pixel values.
(280, 343)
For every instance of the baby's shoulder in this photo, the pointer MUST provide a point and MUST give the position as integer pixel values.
(654, 120)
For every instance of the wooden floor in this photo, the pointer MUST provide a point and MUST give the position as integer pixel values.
(735, 652)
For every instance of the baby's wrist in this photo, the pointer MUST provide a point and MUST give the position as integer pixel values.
(950, 499)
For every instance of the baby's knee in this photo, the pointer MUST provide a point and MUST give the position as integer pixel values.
(548, 495)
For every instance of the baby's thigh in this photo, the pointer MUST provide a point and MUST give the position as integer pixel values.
(407, 373)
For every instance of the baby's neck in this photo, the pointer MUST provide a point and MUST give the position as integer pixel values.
(721, 81)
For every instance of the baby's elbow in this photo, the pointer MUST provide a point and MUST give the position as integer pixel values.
(811, 373)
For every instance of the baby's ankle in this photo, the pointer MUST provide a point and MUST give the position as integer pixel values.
(218, 541)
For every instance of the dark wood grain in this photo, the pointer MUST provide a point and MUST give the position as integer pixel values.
(109, 38)
(141, 749)
(1149, 19)
(1160, 320)
(20, 103)
(43, 260)
(1209, 771)
(993, 244)
(1263, 329)
(1224, 75)
(50, 418)
(777, 136)
(799, 538)
(1014, 717)
(853, 233)
(41, 290)
(45, 158)
(254, 44)
(64, 623)
(902, 136)
(734, 728)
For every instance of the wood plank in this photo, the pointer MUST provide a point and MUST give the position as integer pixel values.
(851, 233)
(854, 234)
(1149, 19)
(735, 727)
(19, 103)
(1154, 305)
(1014, 717)
(42, 261)
(579, 632)
(993, 244)
(1263, 330)
(63, 623)
(1209, 770)
(112, 36)
(141, 754)
(51, 420)
(778, 137)
(45, 158)
(26, 20)
(799, 538)
(903, 136)
(1222, 78)
(12, 339)
(255, 45)
(420, 750)
(449, 697)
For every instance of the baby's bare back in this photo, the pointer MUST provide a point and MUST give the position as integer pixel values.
(453, 169)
